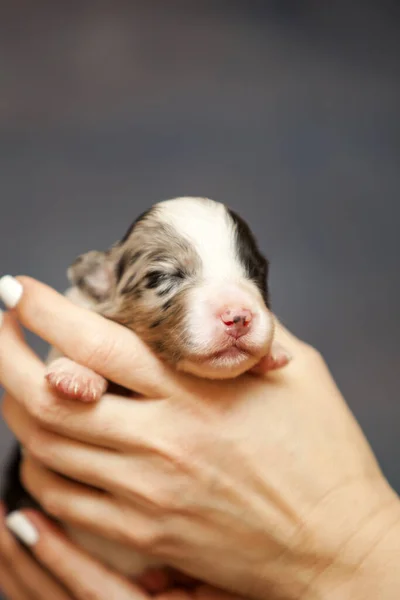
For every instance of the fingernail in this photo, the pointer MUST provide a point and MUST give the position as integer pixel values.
(22, 528)
(10, 291)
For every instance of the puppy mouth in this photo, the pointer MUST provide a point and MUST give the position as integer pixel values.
(223, 361)
(234, 351)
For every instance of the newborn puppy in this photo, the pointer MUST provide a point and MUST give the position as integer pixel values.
(189, 279)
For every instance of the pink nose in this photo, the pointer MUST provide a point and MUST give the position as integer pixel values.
(237, 321)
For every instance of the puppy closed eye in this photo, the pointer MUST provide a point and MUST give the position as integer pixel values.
(179, 274)
(155, 279)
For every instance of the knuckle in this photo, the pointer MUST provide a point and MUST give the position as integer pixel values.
(146, 539)
(167, 494)
(97, 354)
(167, 501)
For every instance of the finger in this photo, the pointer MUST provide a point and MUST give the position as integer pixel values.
(98, 467)
(27, 573)
(101, 468)
(20, 367)
(55, 451)
(10, 587)
(106, 424)
(87, 338)
(83, 576)
(91, 509)
(115, 424)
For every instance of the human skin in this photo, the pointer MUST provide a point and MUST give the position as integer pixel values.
(263, 486)
(58, 570)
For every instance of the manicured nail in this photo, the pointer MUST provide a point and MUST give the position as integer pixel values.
(22, 528)
(10, 291)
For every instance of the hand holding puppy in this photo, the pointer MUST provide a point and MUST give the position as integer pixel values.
(260, 486)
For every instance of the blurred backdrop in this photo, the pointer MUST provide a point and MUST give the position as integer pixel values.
(286, 110)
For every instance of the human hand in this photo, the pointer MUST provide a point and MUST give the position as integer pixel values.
(56, 569)
(260, 486)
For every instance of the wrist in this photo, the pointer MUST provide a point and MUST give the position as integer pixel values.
(366, 565)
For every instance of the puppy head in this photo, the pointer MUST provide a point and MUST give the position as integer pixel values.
(189, 279)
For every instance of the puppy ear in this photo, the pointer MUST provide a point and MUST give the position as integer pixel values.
(93, 274)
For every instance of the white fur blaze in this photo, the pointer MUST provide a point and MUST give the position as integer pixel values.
(222, 285)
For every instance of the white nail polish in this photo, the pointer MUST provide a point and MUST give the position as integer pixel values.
(22, 528)
(10, 291)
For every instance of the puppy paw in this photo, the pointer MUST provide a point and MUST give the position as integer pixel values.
(277, 358)
(74, 381)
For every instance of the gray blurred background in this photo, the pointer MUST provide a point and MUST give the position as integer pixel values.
(286, 110)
